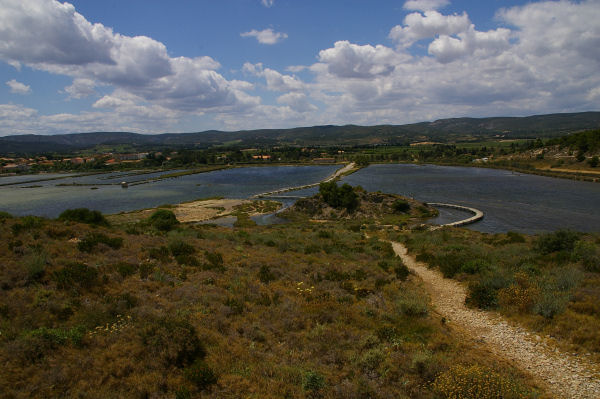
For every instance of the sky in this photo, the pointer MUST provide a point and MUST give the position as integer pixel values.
(155, 66)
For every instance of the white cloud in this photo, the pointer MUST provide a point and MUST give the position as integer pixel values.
(447, 49)
(349, 60)
(64, 42)
(545, 60)
(425, 5)
(275, 80)
(18, 87)
(297, 102)
(81, 88)
(419, 26)
(267, 3)
(266, 36)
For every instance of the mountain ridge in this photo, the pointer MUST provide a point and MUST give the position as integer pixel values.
(444, 130)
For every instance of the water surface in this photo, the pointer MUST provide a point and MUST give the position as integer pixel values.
(510, 201)
(50, 200)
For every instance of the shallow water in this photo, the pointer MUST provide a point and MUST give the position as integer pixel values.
(50, 200)
(509, 201)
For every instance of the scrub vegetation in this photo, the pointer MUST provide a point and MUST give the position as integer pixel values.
(299, 310)
(549, 283)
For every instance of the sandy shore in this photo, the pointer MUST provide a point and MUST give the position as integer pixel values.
(198, 211)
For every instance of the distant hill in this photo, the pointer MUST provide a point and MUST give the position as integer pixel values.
(443, 130)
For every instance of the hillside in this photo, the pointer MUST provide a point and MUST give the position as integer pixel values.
(153, 308)
(444, 130)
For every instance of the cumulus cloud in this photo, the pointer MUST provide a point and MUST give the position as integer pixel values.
(276, 81)
(425, 5)
(419, 26)
(266, 36)
(18, 87)
(64, 42)
(267, 3)
(297, 102)
(81, 88)
(349, 60)
(545, 59)
(447, 49)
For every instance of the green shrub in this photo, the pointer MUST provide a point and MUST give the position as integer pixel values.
(339, 197)
(412, 305)
(126, 269)
(401, 206)
(161, 253)
(215, 260)
(179, 247)
(313, 381)
(35, 265)
(84, 215)
(32, 222)
(243, 220)
(163, 220)
(5, 215)
(514, 237)
(588, 254)
(401, 271)
(200, 374)
(265, 275)
(482, 294)
(75, 273)
(450, 263)
(188, 260)
(474, 266)
(146, 269)
(90, 241)
(550, 303)
(172, 341)
(561, 240)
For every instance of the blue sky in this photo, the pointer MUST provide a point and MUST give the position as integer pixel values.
(152, 66)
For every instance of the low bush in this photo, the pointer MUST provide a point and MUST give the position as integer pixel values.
(35, 265)
(561, 240)
(214, 259)
(401, 206)
(200, 374)
(483, 294)
(84, 215)
(187, 260)
(172, 341)
(90, 241)
(313, 381)
(401, 271)
(514, 237)
(126, 269)
(588, 254)
(163, 220)
(161, 253)
(474, 266)
(179, 248)
(265, 275)
(78, 274)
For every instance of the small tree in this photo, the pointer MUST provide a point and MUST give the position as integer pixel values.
(163, 220)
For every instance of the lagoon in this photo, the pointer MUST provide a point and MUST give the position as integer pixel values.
(510, 201)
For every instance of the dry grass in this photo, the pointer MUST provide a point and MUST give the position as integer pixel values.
(297, 310)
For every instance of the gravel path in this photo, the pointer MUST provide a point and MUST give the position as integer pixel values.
(564, 375)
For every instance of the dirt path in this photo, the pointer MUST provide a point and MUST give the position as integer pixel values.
(564, 375)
